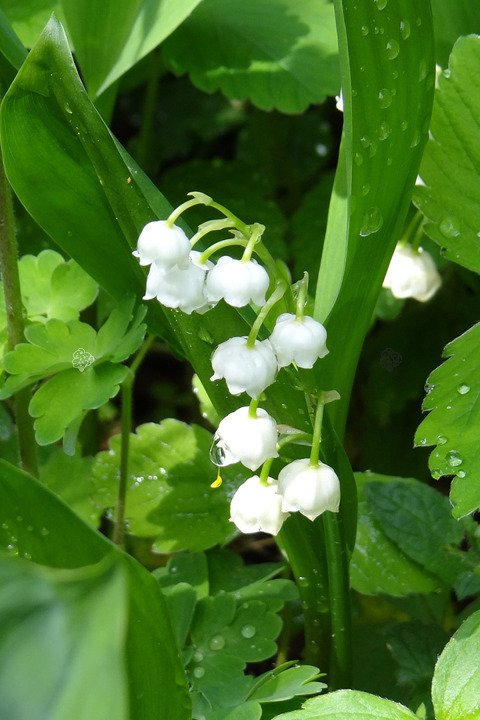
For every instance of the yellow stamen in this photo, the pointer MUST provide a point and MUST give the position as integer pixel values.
(216, 483)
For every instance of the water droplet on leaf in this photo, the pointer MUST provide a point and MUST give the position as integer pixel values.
(248, 631)
(372, 222)
(449, 227)
(454, 458)
(405, 29)
(385, 97)
(463, 389)
(393, 48)
(217, 642)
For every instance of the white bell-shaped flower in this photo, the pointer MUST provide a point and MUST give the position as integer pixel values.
(245, 439)
(412, 274)
(298, 340)
(238, 282)
(182, 288)
(256, 507)
(309, 489)
(166, 246)
(245, 369)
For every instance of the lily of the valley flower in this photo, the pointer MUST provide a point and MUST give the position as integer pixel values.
(245, 369)
(238, 282)
(182, 288)
(412, 274)
(310, 490)
(256, 507)
(246, 439)
(299, 340)
(166, 246)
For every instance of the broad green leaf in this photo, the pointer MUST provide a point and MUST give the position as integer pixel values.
(415, 647)
(53, 288)
(350, 703)
(378, 565)
(387, 68)
(417, 519)
(29, 17)
(181, 599)
(110, 37)
(169, 498)
(227, 572)
(60, 630)
(70, 478)
(190, 568)
(277, 53)
(457, 675)
(35, 524)
(450, 162)
(286, 682)
(453, 421)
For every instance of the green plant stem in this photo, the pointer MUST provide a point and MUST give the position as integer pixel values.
(303, 543)
(277, 295)
(15, 324)
(317, 432)
(126, 429)
(340, 665)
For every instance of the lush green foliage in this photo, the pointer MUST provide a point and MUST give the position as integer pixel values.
(127, 590)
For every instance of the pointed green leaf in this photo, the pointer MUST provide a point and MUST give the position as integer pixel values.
(453, 421)
(457, 675)
(277, 53)
(452, 156)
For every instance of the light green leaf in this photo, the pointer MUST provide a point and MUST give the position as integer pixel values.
(277, 53)
(451, 198)
(350, 703)
(456, 679)
(110, 37)
(246, 711)
(181, 599)
(70, 478)
(169, 497)
(417, 519)
(60, 630)
(35, 524)
(54, 288)
(66, 397)
(286, 682)
(453, 422)
(29, 17)
(378, 565)
(450, 20)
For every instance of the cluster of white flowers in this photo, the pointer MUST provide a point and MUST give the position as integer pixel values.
(412, 274)
(181, 278)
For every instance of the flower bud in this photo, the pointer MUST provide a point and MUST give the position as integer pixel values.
(298, 340)
(256, 507)
(246, 439)
(245, 369)
(308, 489)
(238, 282)
(412, 274)
(166, 246)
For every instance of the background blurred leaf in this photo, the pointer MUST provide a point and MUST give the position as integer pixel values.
(60, 630)
(454, 420)
(450, 162)
(276, 53)
(70, 478)
(12, 52)
(457, 674)
(450, 20)
(110, 37)
(35, 524)
(29, 17)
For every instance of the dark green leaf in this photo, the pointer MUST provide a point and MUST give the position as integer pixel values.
(60, 630)
(276, 53)
(34, 523)
(12, 52)
(457, 675)
(70, 478)
(417, 519)
(454, 420)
